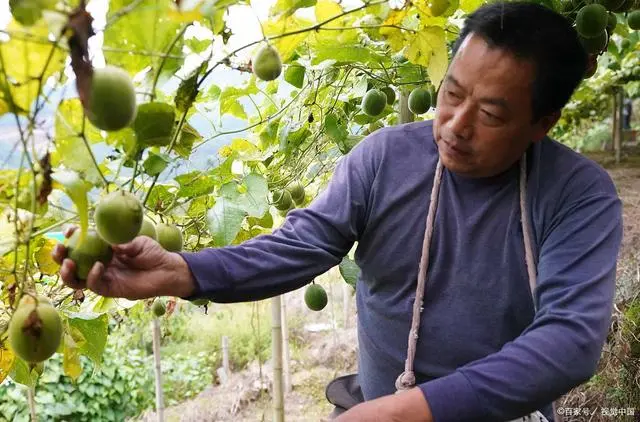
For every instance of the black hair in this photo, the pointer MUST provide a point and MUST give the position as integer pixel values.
(534, 32)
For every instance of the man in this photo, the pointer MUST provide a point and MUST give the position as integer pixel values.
(486, 349)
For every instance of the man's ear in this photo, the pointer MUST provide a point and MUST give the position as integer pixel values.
(544, 125)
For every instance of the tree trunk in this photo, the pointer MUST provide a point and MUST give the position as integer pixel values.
(617, 140)
(285, 347)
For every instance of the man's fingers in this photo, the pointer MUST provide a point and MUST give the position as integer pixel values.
(69, 231)
(59, 253)
(67, 273)
(132, 248)
(95, 282)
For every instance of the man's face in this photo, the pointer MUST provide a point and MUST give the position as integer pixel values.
(484, 119)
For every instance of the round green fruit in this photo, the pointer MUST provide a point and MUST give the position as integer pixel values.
(266, 63)
(374, 102)
(595, 45)
(282, 200)
(390, 93)
(148, 229)
(112, 99)
(158, 308)
(26, 12)
(633, 20)
(624, 44)
(591, 20)
(118, 217)
(612, 22)
(419, 101)
(315, 297)
(153, 124)
(35, 331)
(169, 237)
(297, 193)
(85, 254)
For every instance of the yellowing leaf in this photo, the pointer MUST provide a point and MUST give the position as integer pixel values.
(396, 40)
(326, 9)
(185, 15)
(71, 359)
(428, 48)
(469, 6)
(286, 46)
(25, 58)
(4, 107)
(43, 257)
(7, 358)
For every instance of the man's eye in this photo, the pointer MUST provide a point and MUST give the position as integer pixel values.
(492, 117)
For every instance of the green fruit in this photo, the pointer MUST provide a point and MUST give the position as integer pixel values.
(612, 22)
(591, 20)
(633, 20)
(169, 237)
(282, 200)
(611, 4)
(92, 249)
(419, 101)
(26, 12)
(374, 102)
(158, 308)
(200, 302)
(154, 124)
(297, 193)
(315, 297)
(112, 99)
(390, 93)
(595, 45)
(35, 331)
(266, 63)
(148, 229)
(118, 217)
(624, 44)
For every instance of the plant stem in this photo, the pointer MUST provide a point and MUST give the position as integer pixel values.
(164, 59)
(32, 404)
(276, 345)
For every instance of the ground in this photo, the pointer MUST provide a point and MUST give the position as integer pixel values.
(332, 352)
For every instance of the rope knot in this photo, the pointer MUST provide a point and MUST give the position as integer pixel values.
(405, 381)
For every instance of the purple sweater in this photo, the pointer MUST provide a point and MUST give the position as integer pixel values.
(482, 354)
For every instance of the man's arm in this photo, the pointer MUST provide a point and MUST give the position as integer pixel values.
(310, 242)
(562, 346)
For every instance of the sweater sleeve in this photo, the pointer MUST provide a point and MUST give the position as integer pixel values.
(560, 349)
(311, 240)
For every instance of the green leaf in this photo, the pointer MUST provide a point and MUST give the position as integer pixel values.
(349, 271)
(71, 150)
(22, 374)
(331, 49)
(188, 138)
(469, 6)
(188, 91)
(156, 163)
(229, 100)
(25, 58)
(76, 189)
(287, 46)
(241, 149)
(225, 220)
(104, 304)
(7, 359)
(90, 334)
(145, 27)
(160, 197)
(335, 128)
(289, 7)
(195, 184)
(295, 75)
(255, 201)
(292, 134)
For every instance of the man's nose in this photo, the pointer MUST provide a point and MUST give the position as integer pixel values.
(461, 123)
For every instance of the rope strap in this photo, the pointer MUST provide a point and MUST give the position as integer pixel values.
(407, 379)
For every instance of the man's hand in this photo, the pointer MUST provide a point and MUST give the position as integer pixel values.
(407, 406)
(139, 269)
